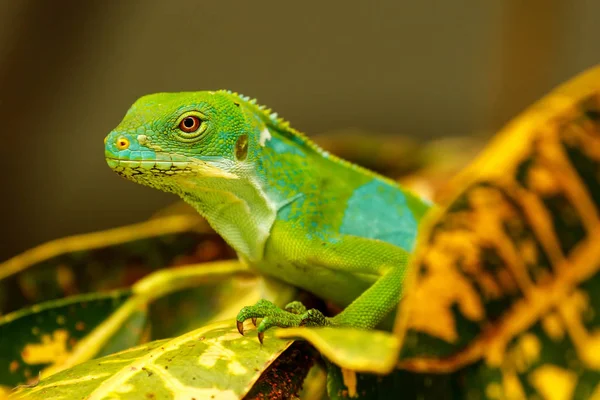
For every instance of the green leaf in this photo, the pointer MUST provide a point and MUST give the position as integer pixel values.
(36, 337)
(125, 325)
(212, 361)
(354, 349)
(106, 260)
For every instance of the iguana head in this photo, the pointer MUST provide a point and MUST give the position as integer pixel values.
(168, 136)
(210, 149)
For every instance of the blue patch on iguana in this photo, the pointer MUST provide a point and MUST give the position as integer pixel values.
(377, 210)
(282, 147)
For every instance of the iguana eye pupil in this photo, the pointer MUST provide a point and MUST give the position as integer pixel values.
(189, 124)
(122, 143)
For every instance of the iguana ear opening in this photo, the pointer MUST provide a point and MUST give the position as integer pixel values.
(241, 148)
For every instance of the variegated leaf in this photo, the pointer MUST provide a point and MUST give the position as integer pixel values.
(506, 279)
(213, 362)
(37, 337)
(106, 260)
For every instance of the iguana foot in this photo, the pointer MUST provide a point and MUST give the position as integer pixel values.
(295, 314)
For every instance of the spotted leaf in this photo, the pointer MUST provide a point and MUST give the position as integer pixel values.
(211, 362)
(105, 260)
(37, 337)
(506, 276)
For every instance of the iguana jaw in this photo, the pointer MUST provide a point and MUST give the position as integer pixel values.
(162, 167)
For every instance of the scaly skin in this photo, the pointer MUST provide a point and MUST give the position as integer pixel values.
(289, 209)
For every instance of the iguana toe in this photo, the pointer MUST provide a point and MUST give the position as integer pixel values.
(294, 315)
(295, 307)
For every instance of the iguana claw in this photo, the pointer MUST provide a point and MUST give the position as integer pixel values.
(294, 315)
(240, 328)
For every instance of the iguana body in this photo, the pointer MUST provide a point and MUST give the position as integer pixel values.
(289, 209)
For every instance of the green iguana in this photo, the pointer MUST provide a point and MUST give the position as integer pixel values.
(290, 210)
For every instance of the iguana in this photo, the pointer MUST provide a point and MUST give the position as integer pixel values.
(290, 210)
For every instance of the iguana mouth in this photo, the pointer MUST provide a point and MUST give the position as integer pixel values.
(200, 168)
(147, 164)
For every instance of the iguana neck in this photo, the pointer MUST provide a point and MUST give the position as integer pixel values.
(240, 214)
(243, 210)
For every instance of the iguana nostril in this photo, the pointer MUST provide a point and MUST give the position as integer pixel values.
(122, 143)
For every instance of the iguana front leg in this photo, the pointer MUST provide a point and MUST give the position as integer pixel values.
(350, 255)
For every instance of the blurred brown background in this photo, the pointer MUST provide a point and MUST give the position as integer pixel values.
(70, 69)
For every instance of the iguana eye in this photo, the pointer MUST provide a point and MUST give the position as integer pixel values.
(190, 124)
(191, 127)
(122, 143)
